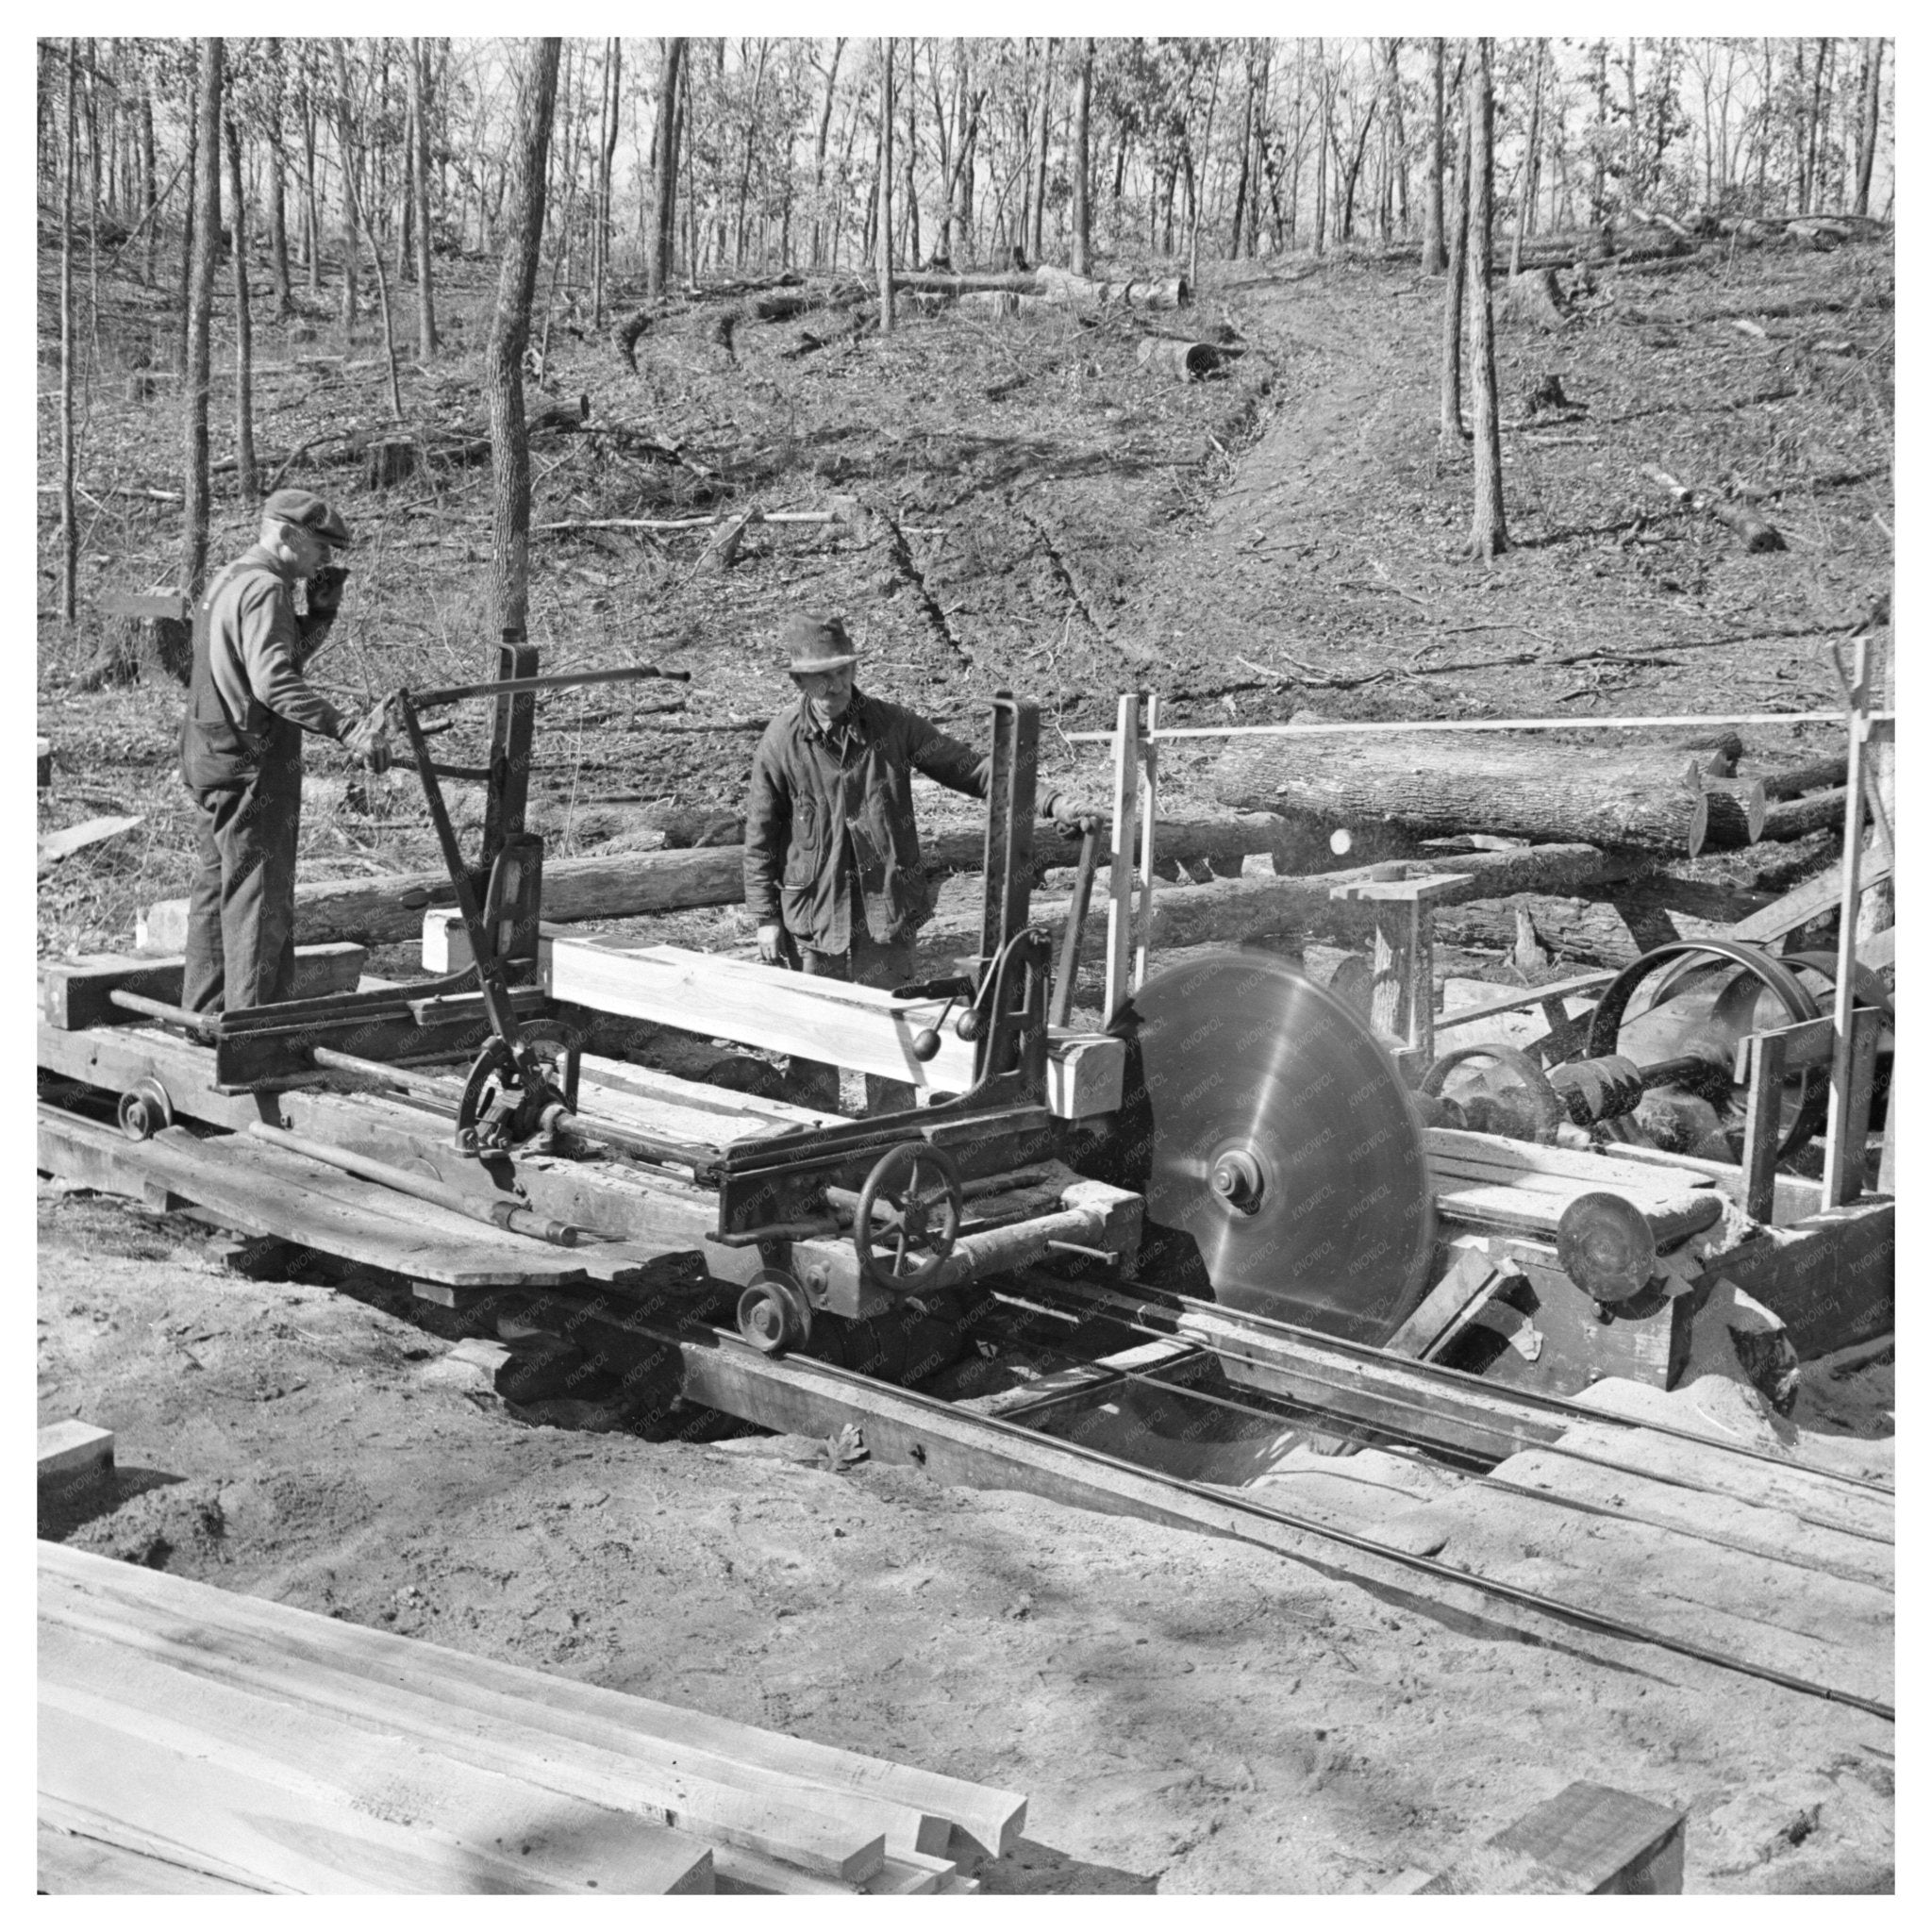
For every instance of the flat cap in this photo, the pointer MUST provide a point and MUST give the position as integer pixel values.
(309, 512)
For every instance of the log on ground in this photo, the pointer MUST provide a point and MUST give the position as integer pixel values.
(1439, 787)
(621, 886)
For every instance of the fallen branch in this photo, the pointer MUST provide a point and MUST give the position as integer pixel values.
(59, 845)
(1752, 530)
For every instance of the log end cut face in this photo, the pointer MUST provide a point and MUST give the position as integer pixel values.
(1277, 1149)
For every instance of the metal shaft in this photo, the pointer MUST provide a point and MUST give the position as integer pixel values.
(504, 1214)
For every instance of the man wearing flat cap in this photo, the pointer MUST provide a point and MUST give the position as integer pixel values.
(831, 851)
(248, 705)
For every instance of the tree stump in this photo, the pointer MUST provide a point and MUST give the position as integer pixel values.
(388, 462)
(144, 636)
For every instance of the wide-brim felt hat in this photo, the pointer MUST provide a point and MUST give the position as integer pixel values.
(308, 511)
(816, 643)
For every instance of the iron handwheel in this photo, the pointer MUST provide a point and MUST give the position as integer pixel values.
(908, 1216)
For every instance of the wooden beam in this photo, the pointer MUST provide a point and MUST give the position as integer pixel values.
(73, 992)
(1592, 1839)
(297, 1671)
(857, 1026)
(71, 1450)
(918, 1808)
(277, 1799)
(70, 1864)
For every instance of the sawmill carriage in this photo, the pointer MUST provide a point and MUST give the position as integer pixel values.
(1238, 1137)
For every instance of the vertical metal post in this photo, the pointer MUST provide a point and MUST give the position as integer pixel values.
(511, 738)
(1149, 804)
(1120, 874)
(1844, 1164)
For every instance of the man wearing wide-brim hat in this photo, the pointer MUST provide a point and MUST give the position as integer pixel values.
(831, 851)
(248, 705)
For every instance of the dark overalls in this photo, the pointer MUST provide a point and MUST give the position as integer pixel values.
(246, 780)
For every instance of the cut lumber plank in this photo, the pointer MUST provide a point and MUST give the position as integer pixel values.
(992, 1819)
(159, 1786)
(1499, 1205)
(73, 992)
(1816, 1496)
(1813, 899)
(1526, 1157)
(860, 1027)
(1775, 1616)
(1592, 1839)
(503, 1741)
(70, 1864)
(1448, 1307)
(1775, 1533)
(1518, 997)
(73, 1448)
(1082, 1379)
(263, 1190)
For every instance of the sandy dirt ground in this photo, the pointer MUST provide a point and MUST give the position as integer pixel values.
(1186, 1715)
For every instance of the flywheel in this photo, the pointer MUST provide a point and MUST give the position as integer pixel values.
(1277, 1150)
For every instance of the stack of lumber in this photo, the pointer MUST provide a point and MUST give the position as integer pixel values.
(196, 1740)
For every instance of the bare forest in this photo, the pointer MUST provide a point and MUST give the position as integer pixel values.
(1331, 378)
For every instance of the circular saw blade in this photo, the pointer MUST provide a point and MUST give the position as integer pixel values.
(1277, 1150)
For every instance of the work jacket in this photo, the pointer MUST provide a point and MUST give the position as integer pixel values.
(247, 700)
(830, 817)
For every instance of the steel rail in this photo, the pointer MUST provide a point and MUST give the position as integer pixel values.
(1554, 1408)
(1582, 1505)
(1240, 1504)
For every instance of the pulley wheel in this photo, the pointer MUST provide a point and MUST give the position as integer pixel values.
(1279, 1153)
(1525, 1107)
(144, 1110)
(773, 1315)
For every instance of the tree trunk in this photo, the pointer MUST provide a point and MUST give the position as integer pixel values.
(311, 200)
(1526, 202)
(614, 103)
(201, 286)
(70, 527)
(1321, 137)
(1487, 535)
(1046, 131)
(885, 188)
(1487, 783)
(419, 114)
(509, 333)
(1197, 190)
(1435, 257)
(663, 174)
(149, 197)
(246, 476)
(1868, 131)
(1450, 424)
(1083, 162)
(278, 190)
(190, 214)
(354, 214)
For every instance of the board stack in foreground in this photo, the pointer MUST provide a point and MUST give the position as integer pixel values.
(195, 1740)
